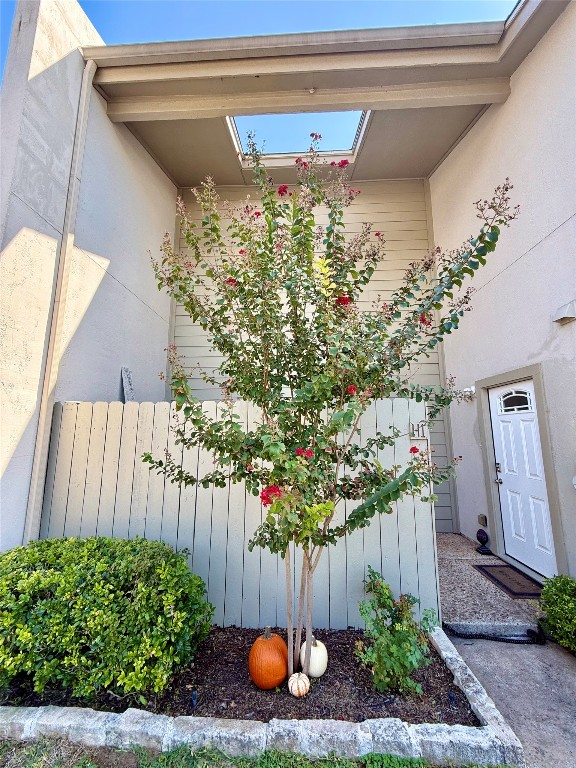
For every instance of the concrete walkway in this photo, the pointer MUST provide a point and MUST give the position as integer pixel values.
(469, 600)
(534, 687)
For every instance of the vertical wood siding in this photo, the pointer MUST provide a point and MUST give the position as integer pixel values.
(97, 485)
(398, 210)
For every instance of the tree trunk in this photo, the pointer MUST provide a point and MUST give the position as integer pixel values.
(309, 603)
(289, 612)
(301, 597)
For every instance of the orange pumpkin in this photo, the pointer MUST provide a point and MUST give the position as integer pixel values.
(268, 660)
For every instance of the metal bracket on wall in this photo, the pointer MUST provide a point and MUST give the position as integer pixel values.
(127, 385)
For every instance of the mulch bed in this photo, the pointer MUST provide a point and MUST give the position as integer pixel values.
(219, 676)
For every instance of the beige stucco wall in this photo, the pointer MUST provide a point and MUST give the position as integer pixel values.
(115, 316)
(125, 205)
(39, 107)
(531, 138)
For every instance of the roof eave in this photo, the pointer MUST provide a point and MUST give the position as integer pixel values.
(311, 43)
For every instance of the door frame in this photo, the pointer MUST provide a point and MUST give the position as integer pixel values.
(495, 527)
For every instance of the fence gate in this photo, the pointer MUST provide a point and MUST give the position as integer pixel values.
(97, 485)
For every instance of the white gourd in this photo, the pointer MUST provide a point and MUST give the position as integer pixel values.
(298, 684)
(318, 658)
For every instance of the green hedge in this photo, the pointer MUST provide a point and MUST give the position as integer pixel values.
(98, 614)
(558, 601)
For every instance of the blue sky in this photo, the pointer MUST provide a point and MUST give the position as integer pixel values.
(291, 133)
(137, 21)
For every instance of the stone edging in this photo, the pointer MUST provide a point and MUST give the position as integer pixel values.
(494, 743)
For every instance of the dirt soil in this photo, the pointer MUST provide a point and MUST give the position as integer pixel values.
(218, 679)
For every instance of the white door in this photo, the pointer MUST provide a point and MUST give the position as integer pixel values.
(519, 472)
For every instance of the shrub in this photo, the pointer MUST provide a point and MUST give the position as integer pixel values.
(98, 614)
(399, 645)
(558, 601)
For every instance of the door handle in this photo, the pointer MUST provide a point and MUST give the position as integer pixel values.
(498, 480)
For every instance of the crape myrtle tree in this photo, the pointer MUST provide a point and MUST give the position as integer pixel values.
(278, 297)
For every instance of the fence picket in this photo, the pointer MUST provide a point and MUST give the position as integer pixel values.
(363, 545)
(125, 471)
(251, 573)
(78, 469)
(171, 505)
(322, 582)
(235, 541)
(270, 586)
(63, 469)
(89, 518)
(203, 524)
(405, 506)
(389, 553)
(111, 459)
(337, 565)
(187, 508)
(425, 522)
(141, 481)
(371, 548)
(218, 543)
(156, 482)
(51, 471)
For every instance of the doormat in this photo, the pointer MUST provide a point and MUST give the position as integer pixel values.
(515, 583)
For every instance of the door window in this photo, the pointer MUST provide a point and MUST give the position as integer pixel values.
(514, 401)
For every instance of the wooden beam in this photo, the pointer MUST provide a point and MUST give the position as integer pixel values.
(299, 64)
(456, 93)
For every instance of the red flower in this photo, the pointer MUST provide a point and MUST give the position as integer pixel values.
(414, 450)
(316, 136)
(268, 494)
(299, 451)
(257, 213)
(425, 319)
(309, 453)
(352, 390)
(231, 281)
(241, 251)
(249, 468)
(378, 234)
(343, 300)
(283, 190)
(343, 163)
(333, 162)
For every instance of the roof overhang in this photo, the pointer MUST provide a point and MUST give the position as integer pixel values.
(416, 72)
(309, 43)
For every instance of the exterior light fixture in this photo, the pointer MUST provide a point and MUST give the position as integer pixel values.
(482, 538)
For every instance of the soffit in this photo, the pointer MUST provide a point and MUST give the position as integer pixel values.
(403, 143)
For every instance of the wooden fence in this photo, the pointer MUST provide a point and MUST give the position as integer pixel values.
(96, 484)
